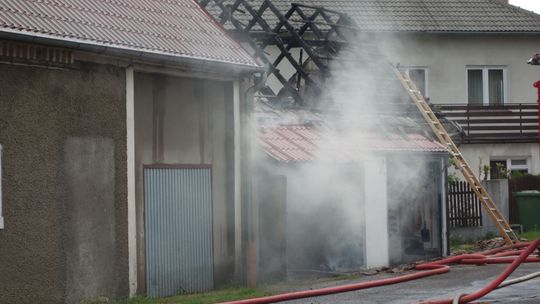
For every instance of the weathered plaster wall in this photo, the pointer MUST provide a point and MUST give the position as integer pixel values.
(64, 184)
(188, 121)
(90, 222)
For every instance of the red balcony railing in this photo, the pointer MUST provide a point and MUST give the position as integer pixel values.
(509, 123)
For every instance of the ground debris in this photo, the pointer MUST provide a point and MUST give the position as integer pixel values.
(370, 272)
(406, 267)
(460, 252)
(490, 243)
(398, 269)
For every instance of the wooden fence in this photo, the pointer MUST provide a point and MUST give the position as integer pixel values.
(464, 209)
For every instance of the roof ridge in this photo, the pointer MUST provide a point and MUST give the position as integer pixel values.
(428, 16)
(516, 8)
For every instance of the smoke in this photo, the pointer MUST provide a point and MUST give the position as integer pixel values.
(332, 201)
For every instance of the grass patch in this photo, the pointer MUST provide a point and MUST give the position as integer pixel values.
(459, 244)
(463, 247)
(530, 235)
(346, 276)
(222, 295)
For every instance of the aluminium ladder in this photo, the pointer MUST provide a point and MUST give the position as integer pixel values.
(459, 161)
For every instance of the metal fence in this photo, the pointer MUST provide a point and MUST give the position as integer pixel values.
(464, 209)
(508, 123)
(178, 226)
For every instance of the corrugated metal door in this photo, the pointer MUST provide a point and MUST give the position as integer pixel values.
(178, 215)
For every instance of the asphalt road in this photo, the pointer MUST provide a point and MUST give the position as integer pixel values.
(461, 279)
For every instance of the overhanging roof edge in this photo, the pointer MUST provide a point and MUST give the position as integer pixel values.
(119, 50)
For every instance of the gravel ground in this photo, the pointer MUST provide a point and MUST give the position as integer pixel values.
(461, 279)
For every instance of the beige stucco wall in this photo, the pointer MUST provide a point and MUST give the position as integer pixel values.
(447, 56)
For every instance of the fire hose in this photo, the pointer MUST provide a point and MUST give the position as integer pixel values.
(496, 256)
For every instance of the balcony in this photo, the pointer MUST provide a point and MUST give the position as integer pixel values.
(509, 123)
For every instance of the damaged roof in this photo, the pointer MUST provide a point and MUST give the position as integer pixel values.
(304, 143)
(422, 15)
(297, 134)
(180, 29)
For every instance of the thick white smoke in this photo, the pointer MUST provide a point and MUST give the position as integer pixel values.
(326, 198)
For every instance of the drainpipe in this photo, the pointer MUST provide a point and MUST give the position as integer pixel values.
(535, 60)
(537, 86)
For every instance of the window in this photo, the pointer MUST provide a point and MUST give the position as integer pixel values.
(420, 77)
(518, 165)
(1, 217)
(486, 86)
(513, 164)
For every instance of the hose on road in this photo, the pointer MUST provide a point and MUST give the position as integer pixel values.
(519, 280)
(523, 257)
(495, 256)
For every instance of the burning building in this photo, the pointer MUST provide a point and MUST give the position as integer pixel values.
(346, 174)
(341, 200)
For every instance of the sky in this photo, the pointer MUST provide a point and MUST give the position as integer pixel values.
(531, 5)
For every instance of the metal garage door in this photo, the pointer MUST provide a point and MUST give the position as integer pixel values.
(178, 215)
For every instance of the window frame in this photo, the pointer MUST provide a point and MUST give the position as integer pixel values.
(518, 167)
(485, 81)
(407, 69)
(508, 163)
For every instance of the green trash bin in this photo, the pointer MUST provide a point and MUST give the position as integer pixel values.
(528, 203)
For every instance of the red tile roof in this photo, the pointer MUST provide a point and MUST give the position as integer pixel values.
(302, 143)
(177, 28)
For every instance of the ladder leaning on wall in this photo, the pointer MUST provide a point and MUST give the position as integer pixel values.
(459, 161)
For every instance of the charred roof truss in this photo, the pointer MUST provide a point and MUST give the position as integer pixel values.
(319, 33)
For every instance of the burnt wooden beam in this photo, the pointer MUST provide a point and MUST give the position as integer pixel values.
(280, 44)
(260, 54)
(285, 35)
(307, 48)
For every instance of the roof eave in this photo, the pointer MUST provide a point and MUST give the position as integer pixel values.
(439, 32)
(132, 53)
(454, 32)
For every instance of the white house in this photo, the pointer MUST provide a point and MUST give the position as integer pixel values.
(467, 56)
